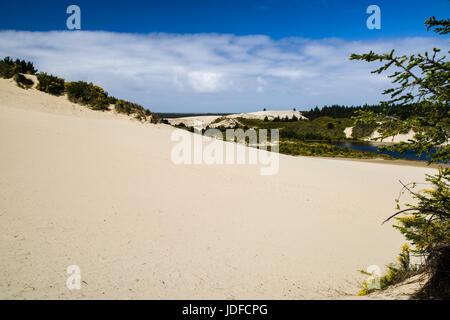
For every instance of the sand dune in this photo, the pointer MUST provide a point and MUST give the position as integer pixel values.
(94, 189)
(270, 114)
(393, 139)
(193, 121)
(389, 140)
(230, 120)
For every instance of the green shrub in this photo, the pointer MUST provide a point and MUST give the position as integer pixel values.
(88, 94)
(126, 107)
(50, 84)
(79, 92)
(9, 67)
(139, 112)
(23, 81)
(27, 67)
(5, 70)
(362, 130)
(426, 226)
(112, 100)
(395, 274)
(155, 118)
(427, 223)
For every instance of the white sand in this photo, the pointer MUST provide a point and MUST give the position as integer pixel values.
(100, 191)
(393, 139)
(270, 114)
(192, 121)
(229, 120)
(348, 132)
(401, 291)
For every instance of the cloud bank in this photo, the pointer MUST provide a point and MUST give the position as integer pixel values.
(213, 72)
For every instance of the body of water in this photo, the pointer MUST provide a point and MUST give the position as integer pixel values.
(372, 147)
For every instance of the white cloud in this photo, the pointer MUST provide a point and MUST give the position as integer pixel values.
(213, 72)
(206, 81)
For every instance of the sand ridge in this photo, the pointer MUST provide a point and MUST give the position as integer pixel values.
(99, 191)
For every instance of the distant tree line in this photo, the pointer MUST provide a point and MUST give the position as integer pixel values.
(339, 111)
(285, 119)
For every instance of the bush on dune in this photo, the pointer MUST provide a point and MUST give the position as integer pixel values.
(6, 70)
(155, 118)
(112, 100)
(396, 273)
(50, 84)
(23, 82)
(88, 94)
(139, 112)
(80, 92)
(9, 67)
(27, 67)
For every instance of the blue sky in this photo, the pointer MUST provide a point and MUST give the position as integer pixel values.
(217, 55)
(275, 18)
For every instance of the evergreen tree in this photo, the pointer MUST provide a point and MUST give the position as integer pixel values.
(422, 86)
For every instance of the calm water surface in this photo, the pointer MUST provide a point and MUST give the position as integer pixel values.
(371, 147)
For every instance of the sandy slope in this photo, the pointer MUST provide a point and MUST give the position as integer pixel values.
(230, 119)
(393, 139)
(194, 121)
(100, 192)
(270, 114)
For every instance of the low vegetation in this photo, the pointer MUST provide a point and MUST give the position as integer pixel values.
(396, 273)
(9, 67)
(323, 128)
(87, 94)
(421, 87)
(23, 81)
(139, 112)
(363, 130)
(50, 84)
(81, 92)
(299, 148)
(319, 129)
(426, 226)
